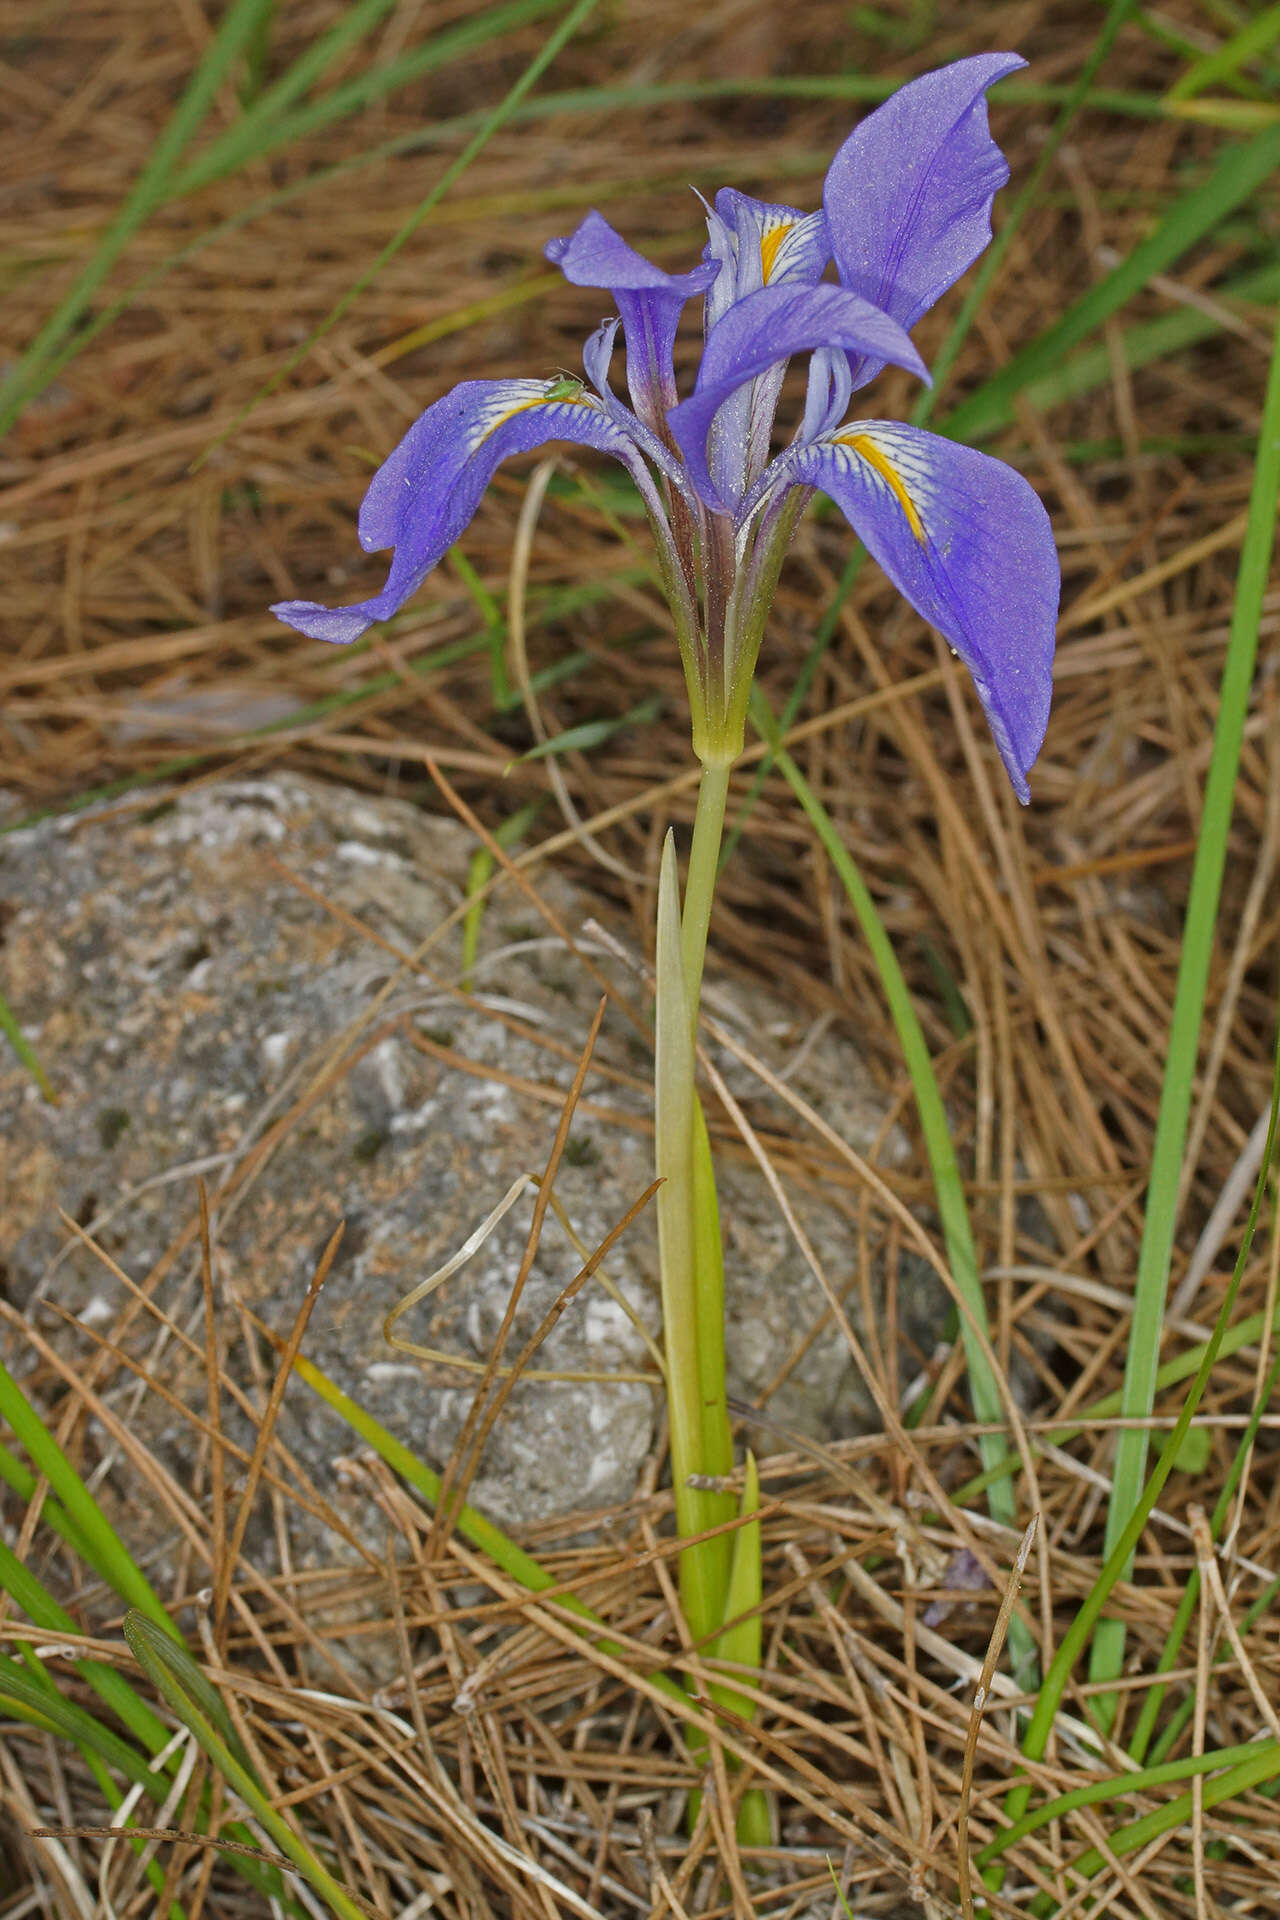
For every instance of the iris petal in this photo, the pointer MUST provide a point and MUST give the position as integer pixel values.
(908, 196)
(965, 539)
(648, 299)
(755, 335)
(424, 495)
(757, 243)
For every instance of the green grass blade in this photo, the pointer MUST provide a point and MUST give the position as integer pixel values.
(30, 1694)
(479, 873)
(173, 1672)
(1234, 116)
(1116, 1787)
(23, 1482)
(1160, 1223)
(502, 696)
(267, 129)
(47, 1457)
(1263, 1765)
(1119, 1558)
(37, 1700)
(26, 1696)
(1240, 171)
(170, 1668)
(1147, 1718)
(25, 1051)
(988, 1407)
(594, 733)
(471, 1524)
(111, 1687)
(1146, 341)
(1224, 62)
(257, 56)
(273, 101)
(491, 123)
(1245, 1333)
(150, 188)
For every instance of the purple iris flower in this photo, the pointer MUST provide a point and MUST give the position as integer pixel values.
(906, 209)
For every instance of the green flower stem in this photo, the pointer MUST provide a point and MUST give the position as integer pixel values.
(708, 1243)
(703, 1578)
(700, 884)
(743, 1643)
(708, 1267)
(719, 1577)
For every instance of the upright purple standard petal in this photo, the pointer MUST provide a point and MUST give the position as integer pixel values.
(755, 243)
(648, 299)
(967, 542)
(754, 335)
(424, 495)
(908, 196)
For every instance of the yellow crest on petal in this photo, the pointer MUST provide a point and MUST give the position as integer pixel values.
(866, 449)
(770, 246)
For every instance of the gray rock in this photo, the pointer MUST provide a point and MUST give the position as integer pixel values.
(185, 995)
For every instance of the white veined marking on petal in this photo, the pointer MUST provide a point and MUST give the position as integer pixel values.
(866, 448)
(771, 246)
(543, 395)
(782, 244)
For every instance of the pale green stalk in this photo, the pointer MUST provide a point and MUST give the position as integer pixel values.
(742, 1642)
(716, 1453)
(702, 1584)
(700, 883)
(708, 1266)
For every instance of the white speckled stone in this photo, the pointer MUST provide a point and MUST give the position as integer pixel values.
(181, 992)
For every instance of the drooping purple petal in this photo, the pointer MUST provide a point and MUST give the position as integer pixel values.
(756, 334)
(908, 196)
(426, 492)
(597, 356)
(648, 299)
(967, 542)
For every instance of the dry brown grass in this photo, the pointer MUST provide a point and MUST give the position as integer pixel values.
(135, 588)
